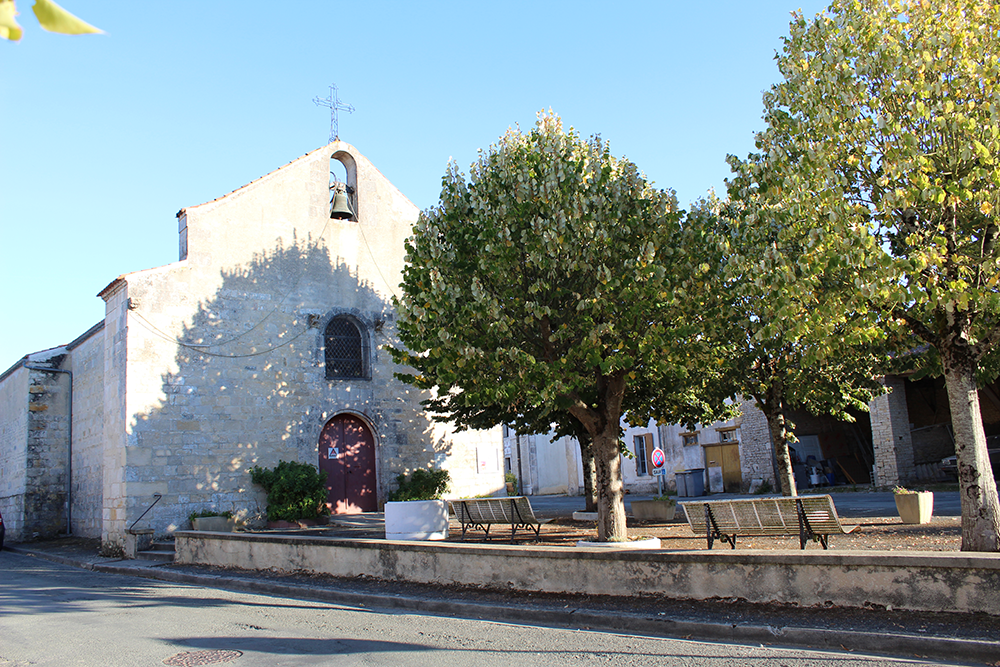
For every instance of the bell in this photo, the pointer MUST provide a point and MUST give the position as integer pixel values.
(341, 209)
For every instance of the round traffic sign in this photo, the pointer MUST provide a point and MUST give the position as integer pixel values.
(658, 458)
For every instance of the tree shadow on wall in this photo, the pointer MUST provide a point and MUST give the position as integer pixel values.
(248, 386)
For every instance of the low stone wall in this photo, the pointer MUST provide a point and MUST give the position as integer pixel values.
(929, 581)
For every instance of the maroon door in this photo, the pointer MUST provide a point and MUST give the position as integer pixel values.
(347, 456)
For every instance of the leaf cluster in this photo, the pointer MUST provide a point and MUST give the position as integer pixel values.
(422, 484)
(552, 271)
(294, 490)
(885, 133)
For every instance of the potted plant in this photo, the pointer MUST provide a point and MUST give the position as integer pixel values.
(914, 506)
(219, 522)
(296, 494)
(415, 510)
(661, 508)
(510, 481)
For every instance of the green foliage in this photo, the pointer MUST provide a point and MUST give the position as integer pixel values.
(511, 478)
(765, 487)
(883, 141)
(207, 513)
(549, 284)
(781, 323)
(294, 490)
(422, 484)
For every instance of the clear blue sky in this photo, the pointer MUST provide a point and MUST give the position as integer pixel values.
(106, 137)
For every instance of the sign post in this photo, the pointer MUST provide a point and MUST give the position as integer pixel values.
(658, 459)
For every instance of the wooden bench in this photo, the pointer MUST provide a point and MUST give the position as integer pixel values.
(482, 513)
(810, 517)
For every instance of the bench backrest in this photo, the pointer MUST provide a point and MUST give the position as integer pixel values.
(764, 515)
(494, 510)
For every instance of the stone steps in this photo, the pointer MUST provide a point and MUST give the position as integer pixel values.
(162, 552)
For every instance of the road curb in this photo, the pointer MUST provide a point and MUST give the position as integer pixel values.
(895, 645)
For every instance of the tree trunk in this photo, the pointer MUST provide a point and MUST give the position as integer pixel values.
(589, 465)
(980, 506)
(779, 435)
(610, 490)
(589, 473)
(603, 422)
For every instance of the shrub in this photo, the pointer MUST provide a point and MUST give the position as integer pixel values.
(422, 484)
(206, 513)
(294, 490)
(511, 478)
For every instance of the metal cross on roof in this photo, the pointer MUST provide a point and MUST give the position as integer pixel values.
(335, 105)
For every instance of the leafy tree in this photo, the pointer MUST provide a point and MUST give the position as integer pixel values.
(546, 283)
(779, 319)
(50, 16)
(884, 136)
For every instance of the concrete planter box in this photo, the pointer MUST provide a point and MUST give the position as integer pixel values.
(915, 507)
(218, 524)
(416, 520)
(654, 510)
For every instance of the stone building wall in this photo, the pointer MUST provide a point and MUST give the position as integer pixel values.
(756, 450)
(13, 452)
(891, 438)
(223, 367)
(113, 514)
(47, 463)
(86, 361)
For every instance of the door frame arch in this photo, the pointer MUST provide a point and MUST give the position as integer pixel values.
(376, 444)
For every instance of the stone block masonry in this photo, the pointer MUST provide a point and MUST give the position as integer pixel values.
(891, 437)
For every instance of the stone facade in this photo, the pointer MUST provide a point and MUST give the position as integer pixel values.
(756, 451)
(211, 365)
(13, 449)
(891, 438)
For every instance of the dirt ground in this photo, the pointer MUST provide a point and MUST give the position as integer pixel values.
(882, 534)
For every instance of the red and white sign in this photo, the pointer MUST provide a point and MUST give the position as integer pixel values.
(658, 458)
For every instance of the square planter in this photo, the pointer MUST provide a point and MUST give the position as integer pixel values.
(653, 510)
(216, 524)
(416, 520)
(915, 507)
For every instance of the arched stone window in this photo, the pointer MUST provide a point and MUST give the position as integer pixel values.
(345, 349)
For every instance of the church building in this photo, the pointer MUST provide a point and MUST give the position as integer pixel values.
(264, 342)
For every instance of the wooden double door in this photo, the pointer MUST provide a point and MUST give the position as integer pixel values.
(726, 457)
(347, 456)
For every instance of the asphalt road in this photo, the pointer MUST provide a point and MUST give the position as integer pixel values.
(52, 614)
(849, 504)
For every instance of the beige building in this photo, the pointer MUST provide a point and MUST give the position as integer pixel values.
(264, 342)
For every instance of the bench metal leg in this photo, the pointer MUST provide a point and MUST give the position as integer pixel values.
(712, 531)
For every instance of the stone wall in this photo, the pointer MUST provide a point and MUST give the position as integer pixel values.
(891, 438)
(47, 462)
(86, 361)
(918, 581)
(115, 343)
(13, 450)
(756, 450)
